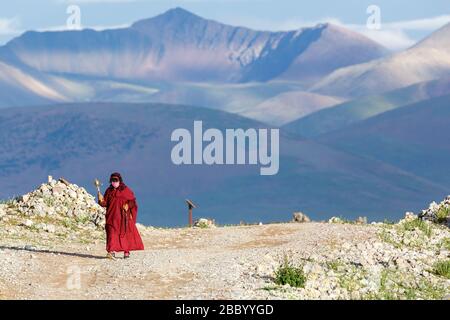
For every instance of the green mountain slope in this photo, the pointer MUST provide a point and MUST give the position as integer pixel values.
(414, 138)
(345, 114)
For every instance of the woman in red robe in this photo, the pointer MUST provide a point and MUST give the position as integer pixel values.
(121, 214)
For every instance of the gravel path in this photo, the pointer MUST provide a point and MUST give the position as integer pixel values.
(217, 263)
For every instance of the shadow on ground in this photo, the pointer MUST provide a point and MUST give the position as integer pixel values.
(72, 254)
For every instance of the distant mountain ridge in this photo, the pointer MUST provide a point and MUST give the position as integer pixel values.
(181, 46)
(428, 60)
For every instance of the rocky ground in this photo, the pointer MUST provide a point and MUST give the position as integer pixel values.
(61, 256)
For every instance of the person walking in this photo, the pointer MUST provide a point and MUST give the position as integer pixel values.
(121, 214)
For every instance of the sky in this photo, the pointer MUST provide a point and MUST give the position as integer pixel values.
(401, 22)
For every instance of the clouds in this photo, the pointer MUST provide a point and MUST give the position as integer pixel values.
(9, 26)
(93, 27)
(391, 35)
(393, 39)
(427, 24)
(396, 35)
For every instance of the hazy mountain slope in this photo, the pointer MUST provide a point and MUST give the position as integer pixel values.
(356, 110)
(23, 86)
(308, 54)
(289, 106)
(233, 98)
(336, 48)
(426, 61)
(18, 87)
(413, 138)
(181, 46)
(115, 53)
(84, 141)
(274, 102)
(197, 49)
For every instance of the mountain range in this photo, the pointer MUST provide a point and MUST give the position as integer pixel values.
(85, 141)
(181, 46)
(428, 60)
(363, 130)
(168, 54)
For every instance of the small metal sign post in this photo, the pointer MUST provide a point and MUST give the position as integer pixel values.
(191, 205)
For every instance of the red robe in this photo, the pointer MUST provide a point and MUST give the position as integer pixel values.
(121, 231)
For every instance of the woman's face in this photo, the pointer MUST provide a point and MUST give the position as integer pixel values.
(115, 182)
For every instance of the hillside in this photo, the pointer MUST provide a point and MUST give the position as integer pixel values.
(337, 48)
(274, 103)
(413, 138)
(87, 141)
(348, 113)
(21, 87)
(288, 106)
(428, 60)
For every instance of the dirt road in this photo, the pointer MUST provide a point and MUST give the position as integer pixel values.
(217, 263)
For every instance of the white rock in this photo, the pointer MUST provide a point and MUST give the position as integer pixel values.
(28, 223)
(25, 197)
(205, 223)
(361, 220)
(2, 210)
(410, 216)
(50, 228)
(300, 217)
(72, 194)
(335, 220)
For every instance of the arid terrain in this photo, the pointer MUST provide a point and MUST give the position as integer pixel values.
(52, 246)
(217, 263)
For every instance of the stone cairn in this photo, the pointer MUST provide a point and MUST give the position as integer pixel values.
(56, 200)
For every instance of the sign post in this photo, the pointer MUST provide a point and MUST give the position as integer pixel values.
(191, 205)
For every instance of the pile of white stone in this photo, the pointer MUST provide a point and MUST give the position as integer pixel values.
(59, 201)
(205, 223)
(437, 213)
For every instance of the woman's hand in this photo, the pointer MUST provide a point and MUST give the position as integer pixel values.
(125, 207)
(100, 197)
